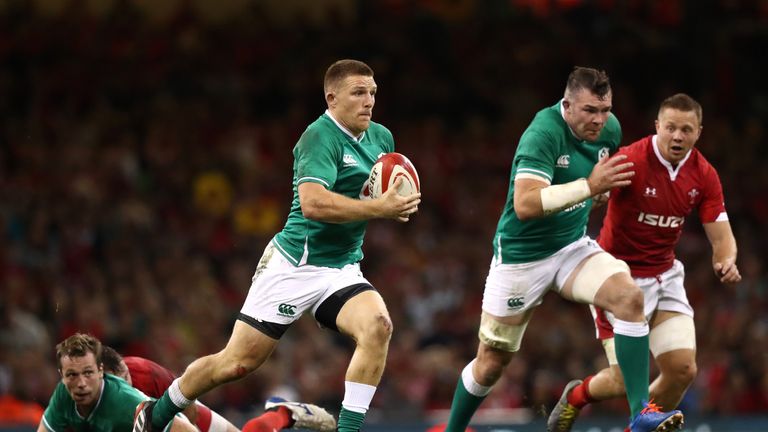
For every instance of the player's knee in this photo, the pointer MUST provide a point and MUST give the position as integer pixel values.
(236, 370)
(627, 304)
(377, 330)
(232, 368)
(685, 373)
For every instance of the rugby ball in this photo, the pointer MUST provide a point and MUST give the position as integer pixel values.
(387, 169)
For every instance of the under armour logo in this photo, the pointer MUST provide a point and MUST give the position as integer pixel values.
(650, 192)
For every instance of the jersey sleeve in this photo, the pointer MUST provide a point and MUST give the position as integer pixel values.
(53, 417)
(535, 157)
(316, 159)
(712, 206)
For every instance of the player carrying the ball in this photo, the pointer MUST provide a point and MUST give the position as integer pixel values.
(312, 265)
(642, 226)
(561, 162)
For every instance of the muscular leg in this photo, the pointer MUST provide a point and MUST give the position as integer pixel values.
(246, 350)
(480, 375)
(677, 367)
(618, 294)
(607, 384)
(365, 319)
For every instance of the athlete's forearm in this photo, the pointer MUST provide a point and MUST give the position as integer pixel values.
(722, 240)
(535, 199)
(331, 207)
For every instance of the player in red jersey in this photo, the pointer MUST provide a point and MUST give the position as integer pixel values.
(643, 224)
(153, 379)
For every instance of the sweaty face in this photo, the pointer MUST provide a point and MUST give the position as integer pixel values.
(586, 113)
(676, 133)
(351, 102)
(82, 378)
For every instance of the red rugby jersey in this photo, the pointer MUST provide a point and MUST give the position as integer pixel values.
(644, 220)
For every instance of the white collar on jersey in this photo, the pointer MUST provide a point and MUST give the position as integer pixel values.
(673, 171)
(562, 113)
(345, 130)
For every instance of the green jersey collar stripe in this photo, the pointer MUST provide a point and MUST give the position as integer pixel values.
(314, 179)
(535, 171)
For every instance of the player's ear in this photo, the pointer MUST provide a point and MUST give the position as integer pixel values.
(330, 98)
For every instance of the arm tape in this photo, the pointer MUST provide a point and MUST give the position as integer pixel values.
(557, 197)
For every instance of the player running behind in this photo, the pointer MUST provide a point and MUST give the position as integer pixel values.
(562, 160)
(642, 225)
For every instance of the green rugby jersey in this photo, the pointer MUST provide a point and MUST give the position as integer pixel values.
(328, 155)
(113, 412)
(548, 149)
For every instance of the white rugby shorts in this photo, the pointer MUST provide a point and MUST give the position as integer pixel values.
(511, 289)
(281, 292)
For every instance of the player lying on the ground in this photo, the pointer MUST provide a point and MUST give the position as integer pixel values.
(153, 379)
(87, 399)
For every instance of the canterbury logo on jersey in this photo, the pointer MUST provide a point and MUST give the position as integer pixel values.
(564, 161)
(286, 309)
(660, 221)
(349, 160)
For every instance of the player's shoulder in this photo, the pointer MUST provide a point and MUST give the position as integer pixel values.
(60, 393)
(135, 363)
(547, 126)
(378, 128)
(323, 126)
(322, 133)
(118, 389)
(701, 164)
(641, 147)
(548, 120)
(612, 124)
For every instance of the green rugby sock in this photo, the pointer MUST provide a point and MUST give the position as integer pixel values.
(632, 354)
(350, 421)
(463, 408)
(163, 412)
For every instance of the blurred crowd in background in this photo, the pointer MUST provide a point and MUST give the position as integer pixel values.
(145, 162)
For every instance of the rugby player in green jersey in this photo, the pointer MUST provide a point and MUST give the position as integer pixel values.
(87, 399)
(312, 265)
(561, 162)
